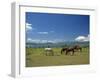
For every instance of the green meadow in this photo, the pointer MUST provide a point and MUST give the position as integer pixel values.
(35, 57)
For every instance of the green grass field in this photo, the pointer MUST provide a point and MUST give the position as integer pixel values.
(36, 57)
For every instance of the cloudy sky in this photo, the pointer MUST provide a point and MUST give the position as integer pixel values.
(47, 27)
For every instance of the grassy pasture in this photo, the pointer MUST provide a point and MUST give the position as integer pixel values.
(36, 57)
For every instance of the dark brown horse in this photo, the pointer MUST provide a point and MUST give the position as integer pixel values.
(63, 50)
(67, 50)
(72, 49)
(77, 48)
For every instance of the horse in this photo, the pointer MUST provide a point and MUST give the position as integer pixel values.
(78, 48)
(63, 50)
(72, 49)
(68, 50)
(49, 51)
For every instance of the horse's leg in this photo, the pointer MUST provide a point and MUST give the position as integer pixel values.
(73, 52)
(61, 51)
(66, 52)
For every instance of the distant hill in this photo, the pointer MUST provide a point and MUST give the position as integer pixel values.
(58, 44)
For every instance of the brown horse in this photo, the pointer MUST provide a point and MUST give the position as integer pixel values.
(63, 50)
(77, 48)
(72, 49)
(67, 50)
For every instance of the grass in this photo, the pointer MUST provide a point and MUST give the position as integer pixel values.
(36, 57)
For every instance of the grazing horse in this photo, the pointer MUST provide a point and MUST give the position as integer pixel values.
(67, 50)
(78, 48)
(72, 49)
(63, 50)
(49, 51)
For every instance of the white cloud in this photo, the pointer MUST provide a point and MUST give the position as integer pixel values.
(45, 32)
(36, 40)
(28, 26)
(42, 32)
(82, 38)
(43, 40)
(33, 40)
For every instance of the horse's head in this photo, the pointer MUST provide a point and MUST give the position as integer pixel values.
(77, 47)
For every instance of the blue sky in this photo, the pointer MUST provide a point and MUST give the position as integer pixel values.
(47, 27)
